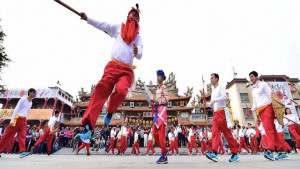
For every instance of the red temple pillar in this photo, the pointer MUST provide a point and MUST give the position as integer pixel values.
(61, 110)
(6, 104)
(45, 104)
(54, 107)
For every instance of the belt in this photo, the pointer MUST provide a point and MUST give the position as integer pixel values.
(122, 64)
(261, 108)
(16, 118)
(220, 109)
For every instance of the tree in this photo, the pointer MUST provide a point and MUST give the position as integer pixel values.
(3, 56)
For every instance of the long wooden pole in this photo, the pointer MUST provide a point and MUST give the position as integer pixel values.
(204, 106)
(68, 7)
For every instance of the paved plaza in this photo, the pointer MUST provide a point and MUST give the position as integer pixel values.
(65, 159)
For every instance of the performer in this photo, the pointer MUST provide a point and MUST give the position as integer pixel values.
(123, 140)
(281, 136)
(203, 137)
(48, 134)
(262, 104)
(252, 139)
(150, 144)
(118, 73)
(112, 141)
(209, 139)
(192, 142)
(136, 143)
(85, 138)
(160, 117)
(241, 137)
(293, 123)
(171, 137)
(177, 131)
(118, 144)
(263, 140)
(18, 124)
(220, 123)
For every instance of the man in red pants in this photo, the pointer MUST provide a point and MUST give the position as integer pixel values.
(281, 136)
(18, 124)
(48, 134)
(241, 138)
(221, 120)
(118, 73)
(203, 141)
(150, 144)
(262, 104)
(136, 143)
(123, 140)
(160, 117)
(253, 143)
(112, 141)
(192, 142)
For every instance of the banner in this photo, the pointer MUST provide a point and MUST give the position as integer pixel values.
(283, 91)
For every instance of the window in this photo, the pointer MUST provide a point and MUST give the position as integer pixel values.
(132, 104)
(169, 104)
(244, 97)
(246, 115)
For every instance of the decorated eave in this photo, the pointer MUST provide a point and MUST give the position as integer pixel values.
(278, 78)
(236, 80)
(143, 109)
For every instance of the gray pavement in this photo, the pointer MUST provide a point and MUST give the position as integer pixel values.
(64, 159)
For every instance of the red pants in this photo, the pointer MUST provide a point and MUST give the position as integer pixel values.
(48, 136)
(123, 144)
(193, 144)
(253, 144)
(135, 146)
(209, 144)
(171, 146)
(160, 137)
(87, 148)
(267, 116)
(150, 146)
(220, 125)
(112, 145)
(295, 131)
(176, 145)
(282, 140)
(9, 134)
(115, 76)
(243, 145)
(204, 146)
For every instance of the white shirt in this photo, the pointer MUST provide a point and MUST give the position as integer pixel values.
(136, 136)
(209, 134)
(150, 137)
(119, 135)
(251, 132)
(177, 130)
(22, 108)
(52, 122)
(171, 136)
(234, 135)
(278, 127)
(202, 134)
(261, 93)
(261, 129)
(121, 51)
(124, 131)
(1, 131)
(219, 96)
(291, 117)
(241, 133)
(112, 133)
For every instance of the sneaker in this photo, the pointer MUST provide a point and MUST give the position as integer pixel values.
(269, 156)
(190, 154)
(0, 155)
(140, 154)
(258, 153)
(107, 118)
(281, 156)
(147, 154)
(162, 160)
(198, 154)
(106, 153)
(49, 154)
(212, 156)
(177, 154)
(154, 154)
(292, 152)
(234, 158)
(24, 154)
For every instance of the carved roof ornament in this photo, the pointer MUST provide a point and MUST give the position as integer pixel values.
(189, 91)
